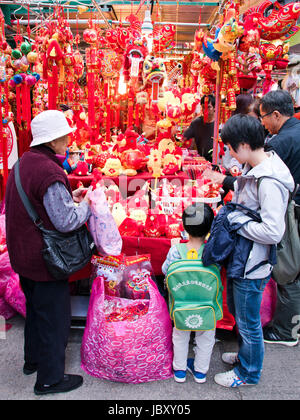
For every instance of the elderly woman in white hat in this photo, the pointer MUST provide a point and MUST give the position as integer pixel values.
(48, 312)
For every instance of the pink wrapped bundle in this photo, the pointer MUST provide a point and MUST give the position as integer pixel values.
(268, 304)
(6, 310)
(14, 295)
(5, 272)
(103, 226)
(131, 351)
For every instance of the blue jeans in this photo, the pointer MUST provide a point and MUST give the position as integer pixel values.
(244, 298)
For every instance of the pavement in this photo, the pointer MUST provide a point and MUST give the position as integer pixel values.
(280, 378)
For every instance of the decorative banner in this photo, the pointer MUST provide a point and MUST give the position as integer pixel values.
(12, 147)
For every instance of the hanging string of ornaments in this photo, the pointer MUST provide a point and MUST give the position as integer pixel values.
(125, 84)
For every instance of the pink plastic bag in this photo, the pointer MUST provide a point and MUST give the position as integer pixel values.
(268, 304)
(102, 225)
(14, 295)
(127, 351)
(6, 310)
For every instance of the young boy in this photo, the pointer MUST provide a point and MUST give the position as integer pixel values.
(264, 187)
(197, 220)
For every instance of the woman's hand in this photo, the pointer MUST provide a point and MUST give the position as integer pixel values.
(79, 194)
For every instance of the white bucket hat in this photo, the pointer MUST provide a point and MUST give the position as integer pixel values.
(48, 126)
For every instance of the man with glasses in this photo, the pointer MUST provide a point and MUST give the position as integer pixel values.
(277, 116)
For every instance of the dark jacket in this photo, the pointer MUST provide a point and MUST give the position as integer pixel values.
(39, 168)
(287, 145)
(203, 133)
(226, 247)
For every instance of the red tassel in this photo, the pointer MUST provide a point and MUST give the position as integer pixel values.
(28, 107)
(117, 116)
(130, 114)
(137, 117)
(18, 103)
(3, 141)
(53, 87)
(108, 122)
(91, 98)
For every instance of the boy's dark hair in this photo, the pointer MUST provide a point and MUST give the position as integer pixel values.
(278, 100)
(242, 128)
(197, 219)
(211, 100)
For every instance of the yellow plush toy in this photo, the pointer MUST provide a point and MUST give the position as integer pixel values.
(113, 167)
(154, 163)
(118, 213)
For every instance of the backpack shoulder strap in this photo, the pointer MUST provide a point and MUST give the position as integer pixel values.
(182, 249)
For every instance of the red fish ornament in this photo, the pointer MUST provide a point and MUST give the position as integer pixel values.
(281, 22)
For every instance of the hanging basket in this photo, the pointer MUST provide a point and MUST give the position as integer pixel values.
(246, 81)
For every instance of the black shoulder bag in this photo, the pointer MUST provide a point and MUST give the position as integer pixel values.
(64, 253)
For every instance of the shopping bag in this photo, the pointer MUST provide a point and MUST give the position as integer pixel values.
(6, 311)
(287, 268)
(102, 225)
(127, 340)
(268, 303)
(14, 295)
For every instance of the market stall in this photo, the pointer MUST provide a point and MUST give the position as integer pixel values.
(130, 86)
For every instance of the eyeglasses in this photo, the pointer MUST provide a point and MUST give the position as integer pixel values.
(269, 113)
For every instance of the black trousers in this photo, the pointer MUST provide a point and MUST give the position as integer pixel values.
(47, 326)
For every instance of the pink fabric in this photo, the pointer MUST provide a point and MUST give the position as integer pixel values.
(14, 295)
(132, 352)
(103, 226)
(5, 272)
(10, 290)
(6, 310)
(268, 304)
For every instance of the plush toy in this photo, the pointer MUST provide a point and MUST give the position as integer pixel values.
(119, 214)
(170, 165)
(82, 168)
(112, 167)
(154, 163)
(130, 227)
(206, 44)
(230, 31)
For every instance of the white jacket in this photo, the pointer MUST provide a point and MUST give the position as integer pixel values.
(270, 200)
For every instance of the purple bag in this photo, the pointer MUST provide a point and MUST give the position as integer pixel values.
(102, 225)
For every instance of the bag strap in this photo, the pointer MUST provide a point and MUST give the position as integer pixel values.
(292, 195)
(27, 204)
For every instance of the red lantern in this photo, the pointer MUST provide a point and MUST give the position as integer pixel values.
(246, 81)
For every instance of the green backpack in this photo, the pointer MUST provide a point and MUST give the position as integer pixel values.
(195, 292)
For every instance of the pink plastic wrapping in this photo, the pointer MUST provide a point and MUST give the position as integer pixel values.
(103, 226)
(6, 310)
(268, 304)
(12, 298)
(127, 351)
(14, 295)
